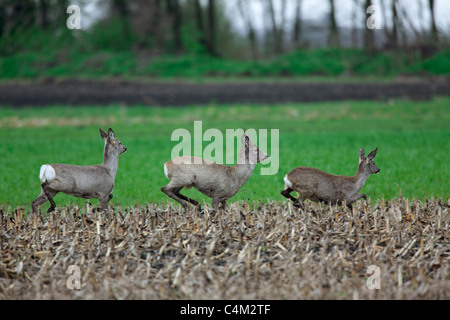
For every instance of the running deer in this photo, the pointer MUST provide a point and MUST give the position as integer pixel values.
(87, 182)
(217, 181)
(317, 185)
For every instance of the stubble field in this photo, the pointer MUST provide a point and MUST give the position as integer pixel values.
(252, 251)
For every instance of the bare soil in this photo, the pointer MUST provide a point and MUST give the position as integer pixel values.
(90, 92)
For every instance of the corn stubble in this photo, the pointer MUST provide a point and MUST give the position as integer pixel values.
(252, 251)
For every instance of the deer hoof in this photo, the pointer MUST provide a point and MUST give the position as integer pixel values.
(297, 204)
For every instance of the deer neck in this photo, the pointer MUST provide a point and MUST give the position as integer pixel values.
(243, 169)
(243, 172)
(360, 177)
(110, 163)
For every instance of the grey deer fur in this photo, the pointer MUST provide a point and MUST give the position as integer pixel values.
(87, 182)
(217, 181)
(317, 185)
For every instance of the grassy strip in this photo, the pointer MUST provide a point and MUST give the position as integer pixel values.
(335, 63)
(412, 141)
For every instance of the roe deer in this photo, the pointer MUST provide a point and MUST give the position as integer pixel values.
(317, 185)
(217, 181)
(82, 181)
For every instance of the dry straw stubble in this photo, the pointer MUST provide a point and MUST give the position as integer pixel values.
(252, 251)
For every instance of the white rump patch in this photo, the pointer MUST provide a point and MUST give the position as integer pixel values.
(47, 173)
(288, 183)
(165, 171)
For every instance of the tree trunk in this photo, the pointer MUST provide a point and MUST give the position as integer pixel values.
(250, 29)
(22, 16)
(334, 40)
(173, 8)
(434, 31)
(212, 28)
(199, 24)
(297, 32)
(44, 14)
(61, 15)
(153, 18)
(120, 7)
(369, 39)
(394, 33)
(277, 42)
(355, 24)
(3, 21)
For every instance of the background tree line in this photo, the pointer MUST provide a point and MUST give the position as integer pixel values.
(209, 26)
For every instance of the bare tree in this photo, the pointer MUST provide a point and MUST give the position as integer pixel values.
(22, 16)
(395, 25)
(282, 25)
(243, 11)
(408, 23)
(297, 31)
(120, 7)
(334, 40)
(355, 23)
(369, 38)
(212, 28)
(434, 31)
(204, 37)
(3, 21)
(43, 8)
(199, 22)
(276, 33)
(121, 10)
(174, 11)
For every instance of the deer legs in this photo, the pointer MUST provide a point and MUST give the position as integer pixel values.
(297, 202)
(192, 201)
(216, 202)
(46, 194)
(287, 193)
(308, 194)
(174, 193)
(355, 198)
(38, 202)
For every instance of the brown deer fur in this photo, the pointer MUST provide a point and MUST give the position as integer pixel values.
(317, 185)
(217, 181)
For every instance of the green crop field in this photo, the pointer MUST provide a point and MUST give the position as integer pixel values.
(412, 138)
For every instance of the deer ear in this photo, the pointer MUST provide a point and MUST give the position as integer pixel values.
(103, 134)
(361, 153)
(372, 154)
(245, 140)
(244, 137)
(111, 134)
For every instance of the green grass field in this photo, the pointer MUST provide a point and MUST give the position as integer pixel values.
(412, 139)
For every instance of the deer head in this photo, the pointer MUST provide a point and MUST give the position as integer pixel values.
(251, 153)
(366, 163)
(113, 146)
